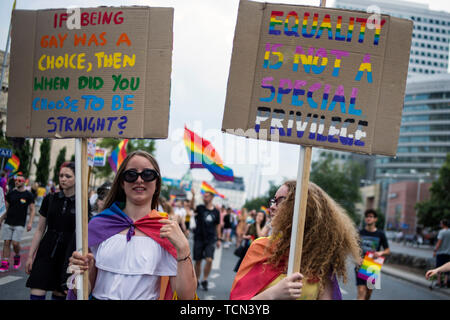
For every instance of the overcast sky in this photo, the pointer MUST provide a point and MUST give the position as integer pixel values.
(203, 36)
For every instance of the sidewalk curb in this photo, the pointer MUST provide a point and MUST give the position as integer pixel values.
(410, 277)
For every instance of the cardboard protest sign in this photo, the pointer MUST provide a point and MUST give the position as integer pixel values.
(90, 72)
(317, 76)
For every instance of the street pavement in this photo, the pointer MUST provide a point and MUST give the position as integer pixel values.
(396, 284)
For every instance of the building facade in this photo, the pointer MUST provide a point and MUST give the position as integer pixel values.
(431, 31)
(424, 139)
(402, 197)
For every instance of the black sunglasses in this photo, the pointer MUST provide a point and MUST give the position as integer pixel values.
(147, 175)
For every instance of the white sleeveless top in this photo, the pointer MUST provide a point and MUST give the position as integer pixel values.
(130, 270)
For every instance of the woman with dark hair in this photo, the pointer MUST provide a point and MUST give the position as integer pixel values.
(252, 232)
(136, 252)
(48, 256)
(330, 236)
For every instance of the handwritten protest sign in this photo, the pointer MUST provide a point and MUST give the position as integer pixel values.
(318, 77)
(98, 72)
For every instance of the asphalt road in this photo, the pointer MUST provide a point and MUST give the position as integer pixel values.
(12, 283)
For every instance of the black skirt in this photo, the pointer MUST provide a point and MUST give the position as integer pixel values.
(49, 270)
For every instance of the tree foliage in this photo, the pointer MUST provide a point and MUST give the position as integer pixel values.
(256, 203)
(43, 166)
(340, 182)
(110, 144)
(432, 211)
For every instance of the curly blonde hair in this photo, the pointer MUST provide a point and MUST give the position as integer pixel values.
(330, 235)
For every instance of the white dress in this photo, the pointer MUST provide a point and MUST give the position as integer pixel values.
(130, 270)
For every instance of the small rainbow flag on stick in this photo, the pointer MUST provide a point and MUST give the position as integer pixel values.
(118, 155)
(202, 154)
(207, 188)
(371, 267)
(13, 164)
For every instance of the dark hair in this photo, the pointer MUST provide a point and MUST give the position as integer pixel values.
(68, 164)
(444, 222)
(118, 194)
(370, 211)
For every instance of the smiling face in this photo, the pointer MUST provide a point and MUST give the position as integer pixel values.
(139, 192)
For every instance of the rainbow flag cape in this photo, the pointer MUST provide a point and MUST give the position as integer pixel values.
(254, 274)
(13, 164)
(118, 155)
(202, 154)
(113, 220)
(371, 267)
(208, 188)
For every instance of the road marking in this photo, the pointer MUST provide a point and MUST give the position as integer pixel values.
(343, 291)
(8, 279)
(214, 275)
(217, 258)
(210, 298)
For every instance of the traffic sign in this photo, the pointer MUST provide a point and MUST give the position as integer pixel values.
(5, 153)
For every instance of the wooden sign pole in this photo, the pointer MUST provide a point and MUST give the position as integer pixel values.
(299, 217)
(301, 198)
(81, 204)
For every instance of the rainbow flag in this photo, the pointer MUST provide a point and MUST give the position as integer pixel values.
(207, 188)
(264, 209)
(202, 154)
(371, 267)
(255, 275)
(13, 164)
(118, 155)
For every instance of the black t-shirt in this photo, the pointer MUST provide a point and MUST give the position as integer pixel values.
(18, 202)
(227, 221)
(59, 211)
(206, 222)
(373, 241)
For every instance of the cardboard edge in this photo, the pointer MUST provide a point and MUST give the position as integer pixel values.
(242, 69)
(158, 92)
(393, 82)
(21, 73)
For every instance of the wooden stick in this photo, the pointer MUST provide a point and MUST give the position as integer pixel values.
(84, 203)
(299, 217)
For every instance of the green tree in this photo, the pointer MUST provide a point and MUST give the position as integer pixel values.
(340, 182)
(59, 161)
(25, 155)
(43, 166)
(432, 211)
(256, 203)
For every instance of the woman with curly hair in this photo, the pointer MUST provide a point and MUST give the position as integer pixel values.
(330, 236)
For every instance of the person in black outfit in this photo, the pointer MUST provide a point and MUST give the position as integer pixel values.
(17, 201)
(48, 258)
(372, 240)
(206, 235)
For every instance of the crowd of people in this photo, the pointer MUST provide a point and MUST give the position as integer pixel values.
(130, 219)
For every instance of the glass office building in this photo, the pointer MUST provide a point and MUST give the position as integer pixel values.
(424, 139)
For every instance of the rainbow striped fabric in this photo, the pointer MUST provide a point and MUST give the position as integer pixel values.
(208, 188)
(370, 268)
(13, 164)
(202, 154)
(118, 155)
